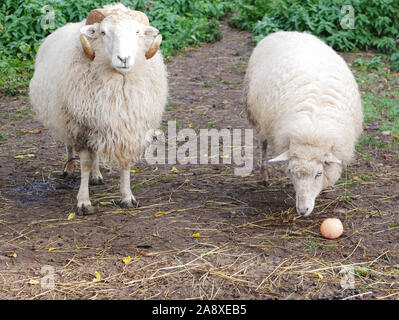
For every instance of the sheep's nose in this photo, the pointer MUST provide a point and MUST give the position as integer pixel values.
(124, 60)
(303, 211)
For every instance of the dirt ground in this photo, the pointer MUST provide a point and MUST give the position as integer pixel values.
(200, 232)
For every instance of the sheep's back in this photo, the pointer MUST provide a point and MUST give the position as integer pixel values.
(295, 80)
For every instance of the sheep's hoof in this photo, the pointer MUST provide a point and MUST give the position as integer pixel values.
(86, 210)
(68, 175)
(95, 181)
(129, 203)
(264, 176)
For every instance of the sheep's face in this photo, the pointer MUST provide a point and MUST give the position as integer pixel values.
(124, 40)
(309, 178)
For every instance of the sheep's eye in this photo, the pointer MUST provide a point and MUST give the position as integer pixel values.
(138, 31)
(103, 33)
(318, 175)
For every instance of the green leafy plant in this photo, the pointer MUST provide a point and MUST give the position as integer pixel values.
(375, 63)
(376, 24)
(395, 61)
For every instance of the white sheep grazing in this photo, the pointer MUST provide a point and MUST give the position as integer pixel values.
(304, 101)
(101, 86)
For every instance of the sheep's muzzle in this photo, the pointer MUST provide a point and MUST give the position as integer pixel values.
(98, 15)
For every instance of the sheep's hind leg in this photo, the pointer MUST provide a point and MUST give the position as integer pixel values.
(263, 161)
(128, 200)
(96, 176)
(69, 166)
(86, 164)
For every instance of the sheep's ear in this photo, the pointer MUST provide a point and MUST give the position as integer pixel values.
(282, 157)
(150, 31)
(330, 158)
(89, 30)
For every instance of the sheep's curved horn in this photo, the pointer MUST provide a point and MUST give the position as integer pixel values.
(87, 49)
(142, 18)
(154, 47)
(94, 16)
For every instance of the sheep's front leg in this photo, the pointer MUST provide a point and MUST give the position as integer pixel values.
(86, 164)
(263, 161)
(69, 166)
(96, 176)
(128, 200)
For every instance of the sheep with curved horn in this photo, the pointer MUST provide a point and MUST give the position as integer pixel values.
(104, 107)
